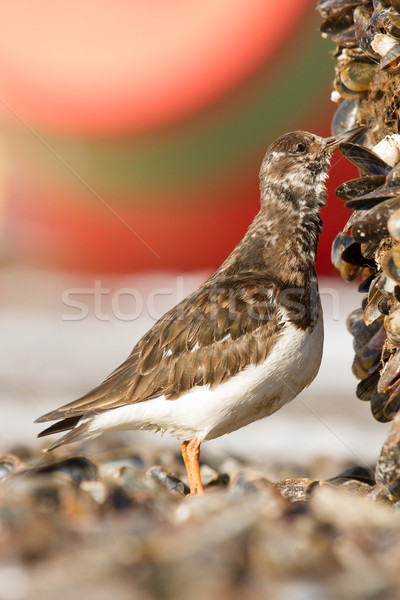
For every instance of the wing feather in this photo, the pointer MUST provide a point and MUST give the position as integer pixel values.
(196, 343)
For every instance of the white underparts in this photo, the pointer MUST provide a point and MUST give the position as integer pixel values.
(252, 394)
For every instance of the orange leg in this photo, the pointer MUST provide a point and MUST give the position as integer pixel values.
(191, 453)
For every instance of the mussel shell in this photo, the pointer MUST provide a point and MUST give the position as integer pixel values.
(357, 370)
(365, 362)
(379, 303)
(393, 225)
(390, 22)
(361, 17)
(368, 251)
(349, 272)
(384, 20)
(377, 342)
(380, 408)
(391, 61)
(388, 285)
(352, 254)
(360, 331)
(367, 386)
(384, 3)
(375, 284)
(327, 7)
(390, 268)
(376, 22)
(349, 269)
(353, 218)
(393, 23)
(346, 92)
(345, 117)
(359, 474)
(362, 206)
(392, 407)
(343, 245)
(359, 187)
(385, 305)
(337, 21)
(389, 374)
(354, 317)
(371, 357)
(371, 311)
(340, 242)
(392, 326)
(366, 281)
(396, 255)
(373, 226)
(366, 160)
(392, 391)
(346, 38)
(393, 178)
(357, 75)
(374, 199)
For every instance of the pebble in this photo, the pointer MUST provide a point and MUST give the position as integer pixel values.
(102, 526)
(172, 483)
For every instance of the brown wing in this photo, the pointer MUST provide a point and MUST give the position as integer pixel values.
(192, 345)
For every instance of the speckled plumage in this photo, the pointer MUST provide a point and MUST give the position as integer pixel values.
(244, 343)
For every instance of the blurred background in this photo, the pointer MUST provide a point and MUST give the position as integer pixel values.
(131, 135)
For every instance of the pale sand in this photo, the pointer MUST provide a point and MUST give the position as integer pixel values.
(46, 361)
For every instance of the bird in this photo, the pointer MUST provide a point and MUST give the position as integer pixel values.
(242, 345)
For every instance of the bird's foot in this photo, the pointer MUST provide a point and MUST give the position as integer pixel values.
(191, 453)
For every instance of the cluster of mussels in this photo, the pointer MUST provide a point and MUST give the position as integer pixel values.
(367, 80)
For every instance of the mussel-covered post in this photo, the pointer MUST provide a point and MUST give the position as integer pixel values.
(367, 87)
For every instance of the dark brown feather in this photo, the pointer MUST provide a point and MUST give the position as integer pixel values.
(152, 357)
(63, 425)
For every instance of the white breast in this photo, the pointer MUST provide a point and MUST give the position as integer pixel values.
(252, 394)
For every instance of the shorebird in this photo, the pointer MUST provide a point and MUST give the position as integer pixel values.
(242, 345)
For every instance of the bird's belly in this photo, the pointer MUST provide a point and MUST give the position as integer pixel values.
(263, 389)
(252, 394)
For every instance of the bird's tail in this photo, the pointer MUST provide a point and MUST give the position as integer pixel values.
(76, 432)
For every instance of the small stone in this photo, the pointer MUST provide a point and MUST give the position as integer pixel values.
(96, 489)
(79, 468)
(211, 477)
(248, 481)
(347, 511)
(388, 465)
(170, 482)
(296, 489)
(9, 464)
(354, 486)
(110, 467)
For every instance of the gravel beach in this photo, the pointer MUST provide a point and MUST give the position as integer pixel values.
(287, 512)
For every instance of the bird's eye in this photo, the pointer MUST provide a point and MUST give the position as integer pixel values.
(300, 147)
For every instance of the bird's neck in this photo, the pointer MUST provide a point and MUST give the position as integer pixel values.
(283, 238)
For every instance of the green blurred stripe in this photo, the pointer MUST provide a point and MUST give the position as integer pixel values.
(207, 147)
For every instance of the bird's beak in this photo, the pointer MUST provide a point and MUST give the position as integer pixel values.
(331, 143)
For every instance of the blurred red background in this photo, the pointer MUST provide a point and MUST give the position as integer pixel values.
(133, 132)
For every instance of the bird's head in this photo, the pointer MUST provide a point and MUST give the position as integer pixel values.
(299, 159)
